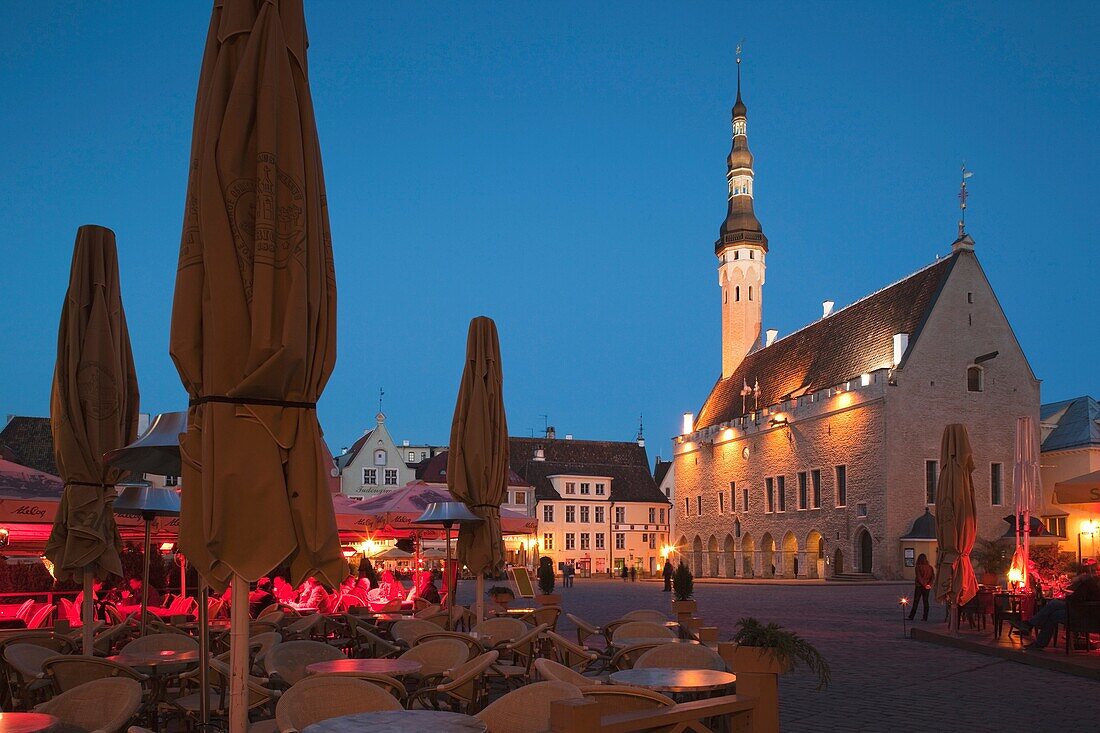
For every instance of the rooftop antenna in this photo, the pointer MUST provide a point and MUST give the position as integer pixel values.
(963, 196)
(641, 428)
(545, 422)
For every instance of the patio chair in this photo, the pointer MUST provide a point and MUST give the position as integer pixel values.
(1082, 617)
(519, 654)
(260, 698)
(585, 630)
(548, 669)
(546, 615)
(272, 610)
(104, 641)
(641, 630)
(164, 642)
(461, 689)
(438, 656)
(59, 643)
(645, 614)
(462, 618)
(628, 656)
(302, 628)
(500, 630)
(392, 685)
(364, 638)
(615, 699)
(569, 654)
(71, 671)
(527, 708)
(260, 644)
(102, 706)
(321, 698)
(286, 663)
(425, 609)
(27, 679)
(475, 647)
(406, 631)
(25, 609)
(37, 619)
(681, 656)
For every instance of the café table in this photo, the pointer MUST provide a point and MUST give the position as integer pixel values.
(352, 667)
(660, 679)
(632, 640)
(26, 722)
(400, 721)
(160, 665)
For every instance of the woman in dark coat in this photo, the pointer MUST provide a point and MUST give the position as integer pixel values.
(922, 584)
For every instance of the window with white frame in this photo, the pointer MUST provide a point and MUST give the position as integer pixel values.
(652, 515)
(599, 515)
(570, 541)
(586, 487)
(570, 513)
(620, 514)
(391, 477)
(370, 476)
(584, 513)
(601, 488)
(599, 541)
(548, 541)
(548, 512)
(620, 541)
(585, 541)
(653, 540)
(662, 516)
(412, 456)
(570, 487)
(520, 497)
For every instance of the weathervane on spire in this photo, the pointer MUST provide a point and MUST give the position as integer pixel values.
(963, 195)
(381, 394)
(740, 44)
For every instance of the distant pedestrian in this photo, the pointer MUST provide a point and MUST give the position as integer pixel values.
(922, 584)
(668, 576)
(625, 573)
(633, 574)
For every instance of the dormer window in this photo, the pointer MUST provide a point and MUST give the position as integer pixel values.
(974, 378)
(380, 457)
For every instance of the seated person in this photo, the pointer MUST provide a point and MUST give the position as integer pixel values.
(1085, 587)
(261, 597)
(282, 590)
(313, 594)
(155, 598)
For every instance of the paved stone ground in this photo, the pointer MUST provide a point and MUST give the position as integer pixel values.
(881, 681)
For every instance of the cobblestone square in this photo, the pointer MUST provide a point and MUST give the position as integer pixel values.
(881, 681)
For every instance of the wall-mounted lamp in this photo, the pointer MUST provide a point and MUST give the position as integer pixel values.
(779, 420)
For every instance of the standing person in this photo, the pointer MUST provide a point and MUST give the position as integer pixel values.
(572, 570)
(922, 583)
(625, 573)
(633, 574)
(668, 575)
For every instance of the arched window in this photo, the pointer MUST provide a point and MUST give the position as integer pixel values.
(380, 457)
(750, 292)
(974, 378)
(737, 293)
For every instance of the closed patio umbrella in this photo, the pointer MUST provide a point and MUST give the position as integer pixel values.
(1026, 479)
(956, 522)
(93, 409)
(477, 461)
(254, 318)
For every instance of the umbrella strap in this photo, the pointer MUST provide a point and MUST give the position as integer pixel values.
(257, 401)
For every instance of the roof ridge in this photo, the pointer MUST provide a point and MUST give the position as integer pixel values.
(854, 303)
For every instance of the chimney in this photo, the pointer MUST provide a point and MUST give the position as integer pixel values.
(901, 343)
(569, 436)
(550, 432)
(827, 308)
(772, 333)
(404, 443)
(689, 423)
(540, 454)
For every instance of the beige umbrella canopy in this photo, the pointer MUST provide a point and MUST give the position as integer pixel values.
(254, 316)
(956, 519)
(93, 408)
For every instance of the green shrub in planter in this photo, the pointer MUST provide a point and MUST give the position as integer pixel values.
(787, 647)
(546, 575)
(683, 583)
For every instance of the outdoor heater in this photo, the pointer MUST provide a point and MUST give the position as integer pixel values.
(141, 497)
(447, 514)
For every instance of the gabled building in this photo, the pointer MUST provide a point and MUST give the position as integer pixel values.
(1070, 433)
(597, 504)
(373, 464)
(815, 453)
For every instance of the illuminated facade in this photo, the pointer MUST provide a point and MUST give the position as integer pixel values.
(373, 464)
(814, 453)
(1070, 432)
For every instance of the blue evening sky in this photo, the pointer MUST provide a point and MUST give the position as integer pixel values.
(560, 167)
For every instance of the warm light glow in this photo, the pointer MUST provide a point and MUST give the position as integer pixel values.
(1090, 526)
(903, 601)
(689, 422)
(667, 550)
(48, 565)
(166, 546)
(1015, 575)
(844, 399)
(780, 419)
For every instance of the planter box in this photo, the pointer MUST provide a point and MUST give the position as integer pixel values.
(688, 607)
(755, 660)
(553, 599)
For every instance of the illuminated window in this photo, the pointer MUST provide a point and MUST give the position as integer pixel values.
(548, 541)
(570, 541)
(996, 488)
(974, 379)
(1055, 525)
(931, 471)
(412, 457)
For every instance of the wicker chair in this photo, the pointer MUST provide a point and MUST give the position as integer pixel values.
(613, 699)
(286, 663)
(500, 630)
(102, 706)
(363, 639)
(391, 685)
(424, 611)
(161, 643)
(461, 689)
(71, 671)
(25, 609)
(519, 653)
(526, 709)
(569, 654)
(462, 618)
(548, 669)
(628, 656)
(585, 630)
(546, 615)
(260, 644)
(438, 656)
(406, 631)
(36, 619)
(641, 630)
(302, 628)
(321, 698)
(28, 681)
(476, 648)
(105, 640)
(259, 696)
(645, 614)
(681, 656)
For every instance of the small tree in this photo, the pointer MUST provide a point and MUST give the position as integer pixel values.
(546, 575)
(683, 583)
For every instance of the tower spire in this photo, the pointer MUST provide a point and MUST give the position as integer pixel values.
(741, 224)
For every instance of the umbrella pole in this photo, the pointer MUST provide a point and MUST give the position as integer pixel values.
(145, 573)
(449, 580)
(238, 655)
(480, 590)
(204, 654)
(86, 614)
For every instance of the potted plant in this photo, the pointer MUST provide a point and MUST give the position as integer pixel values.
(994, 558)
(683, 591)
(771, 649)
(501, 596)
(545, 575)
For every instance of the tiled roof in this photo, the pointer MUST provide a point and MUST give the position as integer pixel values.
(660, 470)
(832, 350)
(625, 463)
(344, 459)
(434, 471)
(1077, 423)
(28, 441)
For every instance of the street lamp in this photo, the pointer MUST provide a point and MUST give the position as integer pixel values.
(1089, 527)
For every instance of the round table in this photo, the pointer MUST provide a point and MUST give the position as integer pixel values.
(153, 660)
(28, 722)
(352, 667)
(400, 721)
(632, 640)
(660, 679)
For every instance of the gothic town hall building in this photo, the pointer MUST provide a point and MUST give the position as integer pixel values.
(816, 453)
